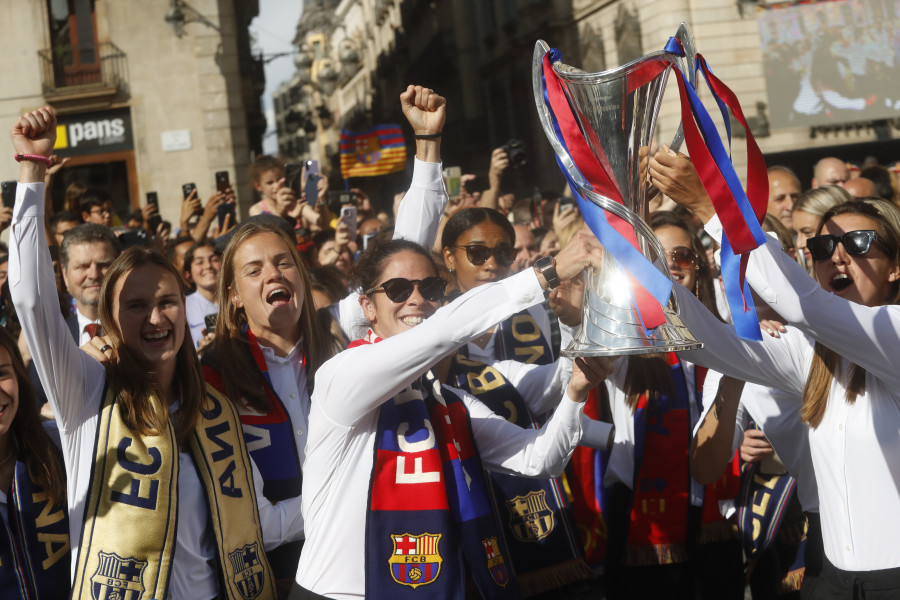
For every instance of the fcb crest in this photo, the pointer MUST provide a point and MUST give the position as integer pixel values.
(530, 518)
(249, 575)
(118, 578)
(416, 559)
(495, 562)
(367, 150)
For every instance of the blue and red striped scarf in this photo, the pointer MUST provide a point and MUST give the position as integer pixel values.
(430, 523)
(271, 443)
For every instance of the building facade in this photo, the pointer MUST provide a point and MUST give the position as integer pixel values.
(479, 55)
(150, 95)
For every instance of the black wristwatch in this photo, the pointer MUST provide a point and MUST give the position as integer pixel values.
(546, 266)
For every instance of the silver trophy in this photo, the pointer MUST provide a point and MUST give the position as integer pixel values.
(621, 123)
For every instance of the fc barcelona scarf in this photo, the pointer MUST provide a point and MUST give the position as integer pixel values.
(430, 522)
(128, 540)
(658, 531)
(537, 523)
(34, 544)
(270, 441)
(762, 508)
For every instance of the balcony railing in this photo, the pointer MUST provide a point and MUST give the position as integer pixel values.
(65, 69)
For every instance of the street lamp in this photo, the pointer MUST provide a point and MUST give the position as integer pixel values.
(177, 17)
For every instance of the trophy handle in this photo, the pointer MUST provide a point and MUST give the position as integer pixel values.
(687, 64)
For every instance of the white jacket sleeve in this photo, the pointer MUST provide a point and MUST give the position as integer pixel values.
(868, 336)
(72, 380)
(358, 380)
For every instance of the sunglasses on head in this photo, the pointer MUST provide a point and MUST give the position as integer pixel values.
(400, 289)
(856, 243)
(685, 258)
(478, 254)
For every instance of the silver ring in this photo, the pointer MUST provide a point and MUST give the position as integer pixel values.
(105, 348)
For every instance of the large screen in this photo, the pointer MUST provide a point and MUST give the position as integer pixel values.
(831, 62)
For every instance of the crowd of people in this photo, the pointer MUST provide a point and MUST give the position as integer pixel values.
(300, 406)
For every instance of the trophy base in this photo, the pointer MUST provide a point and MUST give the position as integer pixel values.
(577, 348)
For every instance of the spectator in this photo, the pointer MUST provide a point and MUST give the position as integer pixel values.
(830, 171)
(526, 248)
(94, 207)
(85, 254)
(784, 189)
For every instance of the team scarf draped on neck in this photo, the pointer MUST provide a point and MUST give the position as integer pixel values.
(537, 523)
(130, 516)
(519, 338)
(271, 442)
(34, 544)
(430, 521)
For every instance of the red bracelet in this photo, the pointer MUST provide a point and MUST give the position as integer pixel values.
(44, 159)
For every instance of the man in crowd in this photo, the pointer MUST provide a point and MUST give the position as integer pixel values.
(84, 255)
(784, 189)
(830, 171)
(526, 248)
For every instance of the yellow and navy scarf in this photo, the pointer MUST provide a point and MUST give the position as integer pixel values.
(128, 540)
(34, 544)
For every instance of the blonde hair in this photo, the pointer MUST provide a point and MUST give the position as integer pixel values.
(228, 354)
(820, 200)
(130, 377)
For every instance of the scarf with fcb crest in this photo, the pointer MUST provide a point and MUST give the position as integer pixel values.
(537, 523)
(34, 544)
(430, 522)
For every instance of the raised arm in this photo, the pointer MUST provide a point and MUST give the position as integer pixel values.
(422, 207)
(70, 377)
(781, 363)
(713, 445)
(358, 380)
(867, 335)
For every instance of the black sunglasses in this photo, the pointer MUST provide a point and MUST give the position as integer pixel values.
(478, 254)
(684, 257)
(400, 289)
(856, 243)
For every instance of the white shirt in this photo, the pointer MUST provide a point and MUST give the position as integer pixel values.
(196, 307)
(349, 390)
(620, 468)
(775, 412)
(288, 378)
(74, 385)
(856, 448)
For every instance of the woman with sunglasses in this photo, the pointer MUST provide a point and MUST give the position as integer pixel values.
(842, 359)
(478, 248)
(163, 498)
(393, 488)
(655, 401)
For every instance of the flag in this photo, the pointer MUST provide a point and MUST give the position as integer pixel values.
(378, 151)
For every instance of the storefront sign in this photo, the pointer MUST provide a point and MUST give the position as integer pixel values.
(94, 133)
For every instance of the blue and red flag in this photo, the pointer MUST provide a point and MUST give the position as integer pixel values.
(378, 151)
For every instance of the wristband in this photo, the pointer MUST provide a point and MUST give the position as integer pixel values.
(428, 136)
(35, 157)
